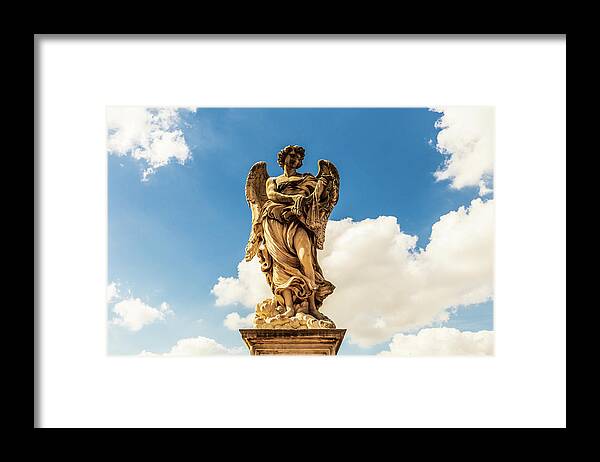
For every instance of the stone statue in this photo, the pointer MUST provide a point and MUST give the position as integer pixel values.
(289, 216)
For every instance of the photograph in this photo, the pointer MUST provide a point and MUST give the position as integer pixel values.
(323, 231)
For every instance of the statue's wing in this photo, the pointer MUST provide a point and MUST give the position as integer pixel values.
(329, 169)
(256, 195)
(319, 222)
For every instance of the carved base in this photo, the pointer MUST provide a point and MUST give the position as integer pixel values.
(292, 341)
(270, 316)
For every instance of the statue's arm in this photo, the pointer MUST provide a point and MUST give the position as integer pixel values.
(275, 196)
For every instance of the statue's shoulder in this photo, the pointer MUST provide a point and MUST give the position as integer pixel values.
(273, 180)
(307, 176)
(303, 176)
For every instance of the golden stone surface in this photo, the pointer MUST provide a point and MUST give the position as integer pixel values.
(324, 342)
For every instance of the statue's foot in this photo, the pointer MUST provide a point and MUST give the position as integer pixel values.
(317, 314)
(288, 313)
(302, 308)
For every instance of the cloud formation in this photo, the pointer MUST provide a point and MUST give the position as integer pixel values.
(247, 289)
(466, 139)
(112, 292)
(442, 341)
(233, 321)
(384, 284)
(197, 346)
(147, 134)
(133, 313)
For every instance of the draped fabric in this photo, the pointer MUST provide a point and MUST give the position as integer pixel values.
(279, 258)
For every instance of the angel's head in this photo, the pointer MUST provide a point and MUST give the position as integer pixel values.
(291, 155)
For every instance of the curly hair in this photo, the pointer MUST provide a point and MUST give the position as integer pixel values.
(285, 151)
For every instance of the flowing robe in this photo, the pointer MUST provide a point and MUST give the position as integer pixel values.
(279, 259)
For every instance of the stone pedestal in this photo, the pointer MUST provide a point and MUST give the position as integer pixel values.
(293, 341)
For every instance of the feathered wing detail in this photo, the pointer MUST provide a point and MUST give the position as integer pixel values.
(329, 169)
(256, 195)
(324, 200)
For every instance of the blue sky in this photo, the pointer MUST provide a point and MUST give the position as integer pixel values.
(171, 237)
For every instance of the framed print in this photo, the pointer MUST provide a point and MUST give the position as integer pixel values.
(403, 196)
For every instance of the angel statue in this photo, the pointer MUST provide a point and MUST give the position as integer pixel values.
(289, 216)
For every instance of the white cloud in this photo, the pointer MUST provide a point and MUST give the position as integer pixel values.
(112, 292)
(467, 141)
(248, 288)
(133, 314)
(233, 321)
(197, 346)
(148, 134)
(384, 285)
(483, 189)
(442, 341)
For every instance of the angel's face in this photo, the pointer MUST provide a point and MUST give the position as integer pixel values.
(293, 159)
